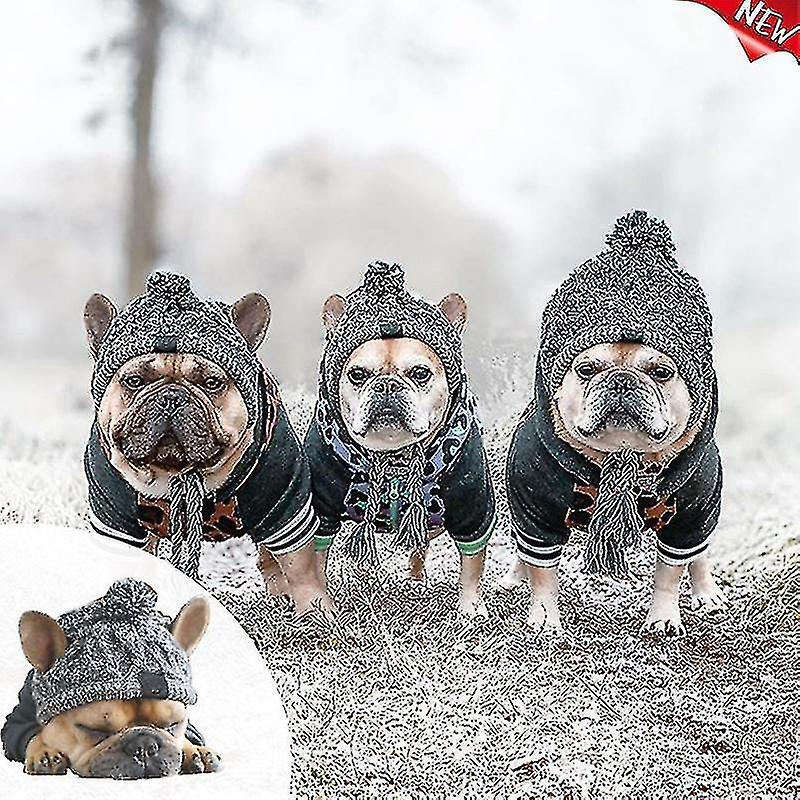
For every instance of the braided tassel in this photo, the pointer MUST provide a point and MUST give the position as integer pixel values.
(361, 546)
(616, 522)
(186, 522)
(412, 534)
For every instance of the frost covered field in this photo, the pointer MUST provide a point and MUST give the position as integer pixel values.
(401, 699)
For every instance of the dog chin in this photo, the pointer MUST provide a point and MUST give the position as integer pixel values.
(386, 436)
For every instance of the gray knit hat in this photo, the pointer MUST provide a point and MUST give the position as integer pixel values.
(383, 308)
(170, 318)
(118, 648)
(633, 291)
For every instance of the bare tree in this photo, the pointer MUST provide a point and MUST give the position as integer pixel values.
(142, 236)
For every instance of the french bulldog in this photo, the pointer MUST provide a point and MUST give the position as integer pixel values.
(619, 437)
(394, 394)
(122, 739)
(193, 398)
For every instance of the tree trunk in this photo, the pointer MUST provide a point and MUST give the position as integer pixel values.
(141, 236)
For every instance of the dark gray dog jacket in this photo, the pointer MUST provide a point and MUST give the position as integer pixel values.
(633, 291)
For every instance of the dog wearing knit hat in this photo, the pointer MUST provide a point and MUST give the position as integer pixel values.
(191, 441)
(395, 446)
(619, 438)
(108, 693)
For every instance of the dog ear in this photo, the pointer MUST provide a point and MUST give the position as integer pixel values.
(42, 639)
(332, 311)
(98, 314)
(190, 624)
(454, 307)
(251, 315)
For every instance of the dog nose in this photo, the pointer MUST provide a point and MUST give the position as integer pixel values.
(622, 381)
(388, 385)
(173, 397)
(141, 746)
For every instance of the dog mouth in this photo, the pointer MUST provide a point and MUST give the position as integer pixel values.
(136, 755)
(393, 416)
(636, 408)
(170, 430)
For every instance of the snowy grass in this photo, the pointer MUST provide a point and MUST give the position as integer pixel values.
(402, 699)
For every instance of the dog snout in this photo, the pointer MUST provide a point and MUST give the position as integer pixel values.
(141, 745)
(388, 385)
(622, 381)
(172, 398)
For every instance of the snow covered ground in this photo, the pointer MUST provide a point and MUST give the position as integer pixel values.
(402, 699)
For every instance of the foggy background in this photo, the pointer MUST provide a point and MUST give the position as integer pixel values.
(486, 144)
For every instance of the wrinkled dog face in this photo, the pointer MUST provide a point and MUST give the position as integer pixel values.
(123, 739)
(165, 413)
(623, 395)
(394, 392)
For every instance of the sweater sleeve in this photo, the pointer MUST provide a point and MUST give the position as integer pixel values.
(329, 484)
(538, 497)
(468, 497)
(21, 724)
(276, 498)
(697, 507)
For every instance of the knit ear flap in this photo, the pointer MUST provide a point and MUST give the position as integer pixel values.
(454, 307)
(332, 311)
(251, 316)
(98, 314)
(43, 640)
(189, 626)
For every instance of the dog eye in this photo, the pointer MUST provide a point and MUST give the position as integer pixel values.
(213, 384)
(357, 375)
(662, 373)
(585, 370)
(133, 382)
(420, 374)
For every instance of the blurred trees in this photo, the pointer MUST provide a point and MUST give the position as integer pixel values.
(141, 234)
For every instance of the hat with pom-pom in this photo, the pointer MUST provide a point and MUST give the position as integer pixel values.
(119, 647)
(382, 308)
(633, 291)
(170, 318)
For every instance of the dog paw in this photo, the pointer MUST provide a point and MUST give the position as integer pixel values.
(663, 623)
(200, 759)
(472, 607)
(41, 761)
(545, 619)
(515, 576)
(709, 600)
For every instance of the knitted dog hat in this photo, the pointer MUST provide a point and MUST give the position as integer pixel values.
(118, 648)
(383, 308)
(170, 318)
(634, 291)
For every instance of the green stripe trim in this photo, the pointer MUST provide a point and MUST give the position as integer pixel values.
(470, 548)
(322, 542)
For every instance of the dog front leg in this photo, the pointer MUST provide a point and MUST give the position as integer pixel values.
(664, 616)
(274, 579)
(706, 594)
(416, 565)
(306, 586)
(543, 612)
(470, 602)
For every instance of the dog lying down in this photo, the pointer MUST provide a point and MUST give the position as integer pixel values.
(620, 435)
(108, 693)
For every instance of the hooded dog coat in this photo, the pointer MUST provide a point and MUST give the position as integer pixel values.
(633, 291)
(268, 495)
(445, 485)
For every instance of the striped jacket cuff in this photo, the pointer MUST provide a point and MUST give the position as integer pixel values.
(677, 556)
(296, 533)
(106, 530)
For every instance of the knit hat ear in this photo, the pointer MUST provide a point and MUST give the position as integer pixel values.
(43, 640)
(454, 307)
(332, 311)
(251, 315)
(98, 314)
(190, 624)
